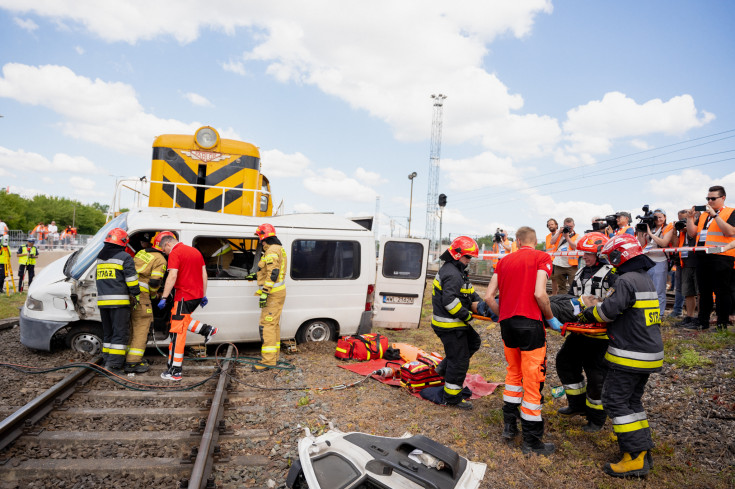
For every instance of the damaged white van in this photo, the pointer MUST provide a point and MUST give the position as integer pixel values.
(332, 281)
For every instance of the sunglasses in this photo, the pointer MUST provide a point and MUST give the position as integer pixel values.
(712, 198)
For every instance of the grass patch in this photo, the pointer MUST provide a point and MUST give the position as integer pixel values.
(716, 340)
(9, 306)
(687, 357)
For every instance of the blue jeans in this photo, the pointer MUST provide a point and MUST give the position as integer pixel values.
(678, 297)
(658, 274)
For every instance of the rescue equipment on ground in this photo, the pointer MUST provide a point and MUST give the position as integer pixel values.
(421, 373)
(584, 328)
(410, 353)
(359, 460)
(361, 347)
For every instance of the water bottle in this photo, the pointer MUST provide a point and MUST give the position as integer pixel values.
(557, 392)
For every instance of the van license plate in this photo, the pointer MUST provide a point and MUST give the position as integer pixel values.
(392, 299)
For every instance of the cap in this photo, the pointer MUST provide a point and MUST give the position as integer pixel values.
(626, 214)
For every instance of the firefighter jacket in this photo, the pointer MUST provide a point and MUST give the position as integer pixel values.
(27, 255)
(452, 296)
(632, 311)
(272, 269)
(594, 280)
(150, 264)
(116, 277)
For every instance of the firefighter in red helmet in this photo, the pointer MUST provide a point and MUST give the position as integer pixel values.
(272, 293)
(117, 282)
(454, 300)
(585, 352)
(635, 350)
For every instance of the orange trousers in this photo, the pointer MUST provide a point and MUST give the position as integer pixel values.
(181, 322)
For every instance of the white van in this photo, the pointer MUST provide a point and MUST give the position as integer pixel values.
(332, 279)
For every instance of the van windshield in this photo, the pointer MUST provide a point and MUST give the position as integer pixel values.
(88, 254)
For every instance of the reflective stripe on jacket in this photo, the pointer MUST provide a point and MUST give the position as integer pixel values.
(150, 264)
(117, 280)
(633, 313)
(272, 269)
(27, 256)
(452, 296)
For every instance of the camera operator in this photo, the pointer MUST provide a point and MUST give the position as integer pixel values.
(501, 245)
(686, 277)
(715, 227)
(624, 227)
(553, 227)
(659, 237)
(564, 267)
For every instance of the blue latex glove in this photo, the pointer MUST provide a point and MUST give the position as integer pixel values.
(554, 324)
(162, 303)
(204, 302)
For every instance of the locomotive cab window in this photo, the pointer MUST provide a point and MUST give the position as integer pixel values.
(227, 258)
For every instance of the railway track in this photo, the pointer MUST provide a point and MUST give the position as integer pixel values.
(84, 433)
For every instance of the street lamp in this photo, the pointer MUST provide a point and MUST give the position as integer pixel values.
(411, 176)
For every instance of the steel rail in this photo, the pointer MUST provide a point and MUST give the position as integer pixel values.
(200, 473)
(12, 427)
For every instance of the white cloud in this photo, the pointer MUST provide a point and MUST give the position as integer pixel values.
(81, 183)
(35, 163)
(25, 24)
(105, 113)
(277, 164)
(640, 144)
(27, 192)
(237, 67)
(197, 99)
(79, 50)
(683, 190)
(369, 177)
(338, 186)
(481, 171)
(591, 128)
(303, 208)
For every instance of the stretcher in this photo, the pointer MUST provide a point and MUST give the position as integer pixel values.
(583, 328)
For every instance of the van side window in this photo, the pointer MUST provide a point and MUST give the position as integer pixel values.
(402, 260)
(227, 258)
(325, 260)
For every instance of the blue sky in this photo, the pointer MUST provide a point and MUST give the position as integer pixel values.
(554, 109)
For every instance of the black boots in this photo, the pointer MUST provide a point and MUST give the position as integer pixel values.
(510, 431)
(571, 411)
(537, 446)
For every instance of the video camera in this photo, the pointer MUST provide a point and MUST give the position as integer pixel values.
(499, 236)
(601, 224)
(647, 220)
(680, 225)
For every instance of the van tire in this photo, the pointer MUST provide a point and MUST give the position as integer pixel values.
(316, 330)
(85, 338)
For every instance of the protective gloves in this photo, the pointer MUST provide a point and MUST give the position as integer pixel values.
(204, 302)
(162, 303)
(554, 324)
(263, 299)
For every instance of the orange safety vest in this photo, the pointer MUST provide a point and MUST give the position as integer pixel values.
(573, 262)
(622, 230)
(715, 237)
(549, 245)
(496, 249)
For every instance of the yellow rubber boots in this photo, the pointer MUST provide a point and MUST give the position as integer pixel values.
(629, 466)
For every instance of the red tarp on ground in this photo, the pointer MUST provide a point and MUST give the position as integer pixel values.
(475, 382)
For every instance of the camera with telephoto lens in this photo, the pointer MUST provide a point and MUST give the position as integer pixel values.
(601, 224)
(647, 220)
(499, 236)
(680, 225)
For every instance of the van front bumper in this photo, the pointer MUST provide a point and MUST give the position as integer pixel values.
(37, 333)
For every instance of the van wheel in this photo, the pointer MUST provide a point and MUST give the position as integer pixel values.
(85, 338)
(316, 330)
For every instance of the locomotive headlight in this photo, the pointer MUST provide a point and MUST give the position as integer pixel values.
(206, 137)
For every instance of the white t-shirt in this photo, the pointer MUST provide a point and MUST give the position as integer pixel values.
(656, 257)
(3, 228)
(52, 229)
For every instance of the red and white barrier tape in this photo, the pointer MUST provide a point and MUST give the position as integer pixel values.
(706, 249)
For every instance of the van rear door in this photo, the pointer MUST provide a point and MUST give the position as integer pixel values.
(400, 283)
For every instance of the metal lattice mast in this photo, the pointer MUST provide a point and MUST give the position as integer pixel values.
(432, 205)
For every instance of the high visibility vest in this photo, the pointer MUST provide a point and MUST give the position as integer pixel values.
(4, 255)
(573, 262)
(498, 248)
(549, 245)
(29, 257)
(622, 230)
(714, 236)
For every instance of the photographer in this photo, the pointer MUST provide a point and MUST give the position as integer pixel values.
(624, 227)
(715, 227)
(659, 237)
(501, 245)
(686, 277)
(564, 267)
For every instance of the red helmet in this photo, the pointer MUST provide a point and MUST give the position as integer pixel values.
(621, 249)
(592, 242)
(265, 231)
(464, 245)
(117, 236)
(159, 236)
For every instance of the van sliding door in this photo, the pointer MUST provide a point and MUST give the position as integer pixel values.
(400, 283)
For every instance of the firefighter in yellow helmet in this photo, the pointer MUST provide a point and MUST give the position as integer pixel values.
(272, 293)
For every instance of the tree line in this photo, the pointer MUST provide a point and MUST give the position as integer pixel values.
(23, 213)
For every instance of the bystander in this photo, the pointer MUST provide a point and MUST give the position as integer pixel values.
(564, 267)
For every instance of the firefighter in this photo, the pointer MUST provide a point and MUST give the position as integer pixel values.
(27, 256)
(150, 263)
(272, 292)
(635, 351)
(188, 275)
(454, 300)
(521, 280)
(586, 351)
(117, 281)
